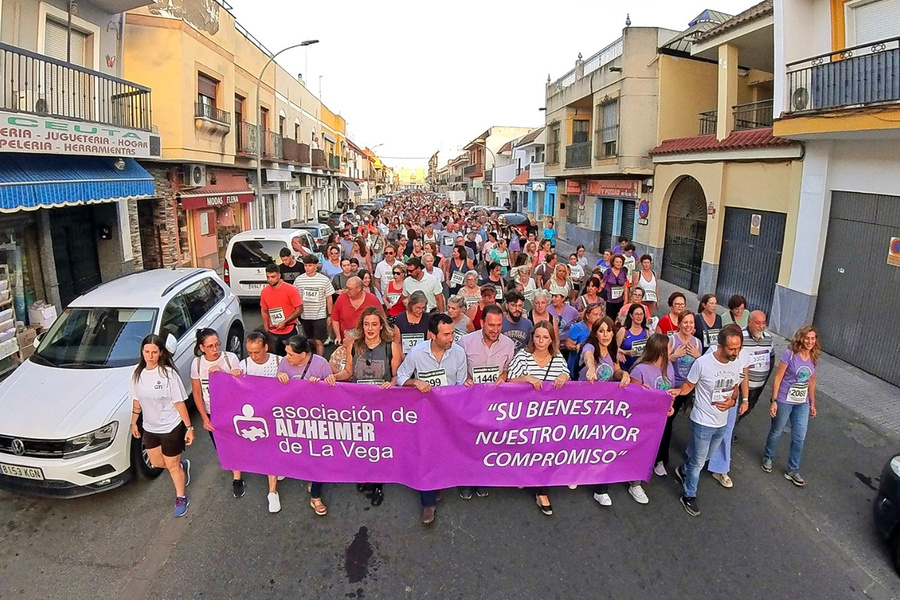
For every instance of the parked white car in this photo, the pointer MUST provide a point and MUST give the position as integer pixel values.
(65, 413)
(250, 252)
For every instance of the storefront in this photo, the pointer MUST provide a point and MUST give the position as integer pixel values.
(600, 210)
(541, 198)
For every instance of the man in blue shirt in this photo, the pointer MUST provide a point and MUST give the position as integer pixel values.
(432, 363)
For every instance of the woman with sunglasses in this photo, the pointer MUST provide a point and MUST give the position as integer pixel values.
(332, 264)
(373, 359)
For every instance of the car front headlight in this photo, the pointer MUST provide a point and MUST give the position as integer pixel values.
(895, 465)
(91, 441)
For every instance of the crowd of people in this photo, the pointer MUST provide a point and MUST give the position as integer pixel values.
(426, 293)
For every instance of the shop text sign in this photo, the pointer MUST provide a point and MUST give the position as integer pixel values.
(35, 134)
(617, 188)
(214, 201)
(511, 435)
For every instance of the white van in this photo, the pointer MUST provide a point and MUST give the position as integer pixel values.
(250, 252)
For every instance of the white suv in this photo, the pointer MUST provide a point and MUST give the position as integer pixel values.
(65, 413)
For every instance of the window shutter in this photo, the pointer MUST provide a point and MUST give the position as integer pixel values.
(206, 86)
(873, 21)
(55, 43)
(610, 120)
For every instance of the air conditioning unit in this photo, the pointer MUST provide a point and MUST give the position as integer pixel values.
(194, 175)
(32, 102)
(800, 99)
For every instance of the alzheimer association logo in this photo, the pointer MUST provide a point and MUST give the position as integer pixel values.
(250, 427)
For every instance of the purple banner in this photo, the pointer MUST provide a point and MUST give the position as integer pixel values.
(486, 435)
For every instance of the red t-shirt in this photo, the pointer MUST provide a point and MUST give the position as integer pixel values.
(348, 317)
(280, 302)
(666, 325)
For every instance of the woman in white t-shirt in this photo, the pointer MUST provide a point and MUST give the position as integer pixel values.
(209, 359)
(158, 396)
(261, 363)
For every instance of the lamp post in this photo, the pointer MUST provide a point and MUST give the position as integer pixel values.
(483, 142)
(259, 123)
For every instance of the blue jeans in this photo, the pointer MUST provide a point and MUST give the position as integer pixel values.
(704, 442)
(720, 460)
(428, 498)
(798, 415)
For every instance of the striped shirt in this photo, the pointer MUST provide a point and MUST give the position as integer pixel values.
(523, 364)
(757, 356)
(314, 290)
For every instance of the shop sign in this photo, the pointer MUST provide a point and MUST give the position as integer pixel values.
(538, 186)
(644, 212)
(34, 134)
(894, 252)
(616, 188)
(573, 187)
(277, 175)
(215, 200)
(518, 188)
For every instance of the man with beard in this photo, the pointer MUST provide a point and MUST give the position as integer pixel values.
(515, 326)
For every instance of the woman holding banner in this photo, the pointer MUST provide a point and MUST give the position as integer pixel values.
(538, 362)
(599, 354)
(300, 362)
(373, 359)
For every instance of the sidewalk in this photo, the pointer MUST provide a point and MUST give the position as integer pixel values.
(864, 394)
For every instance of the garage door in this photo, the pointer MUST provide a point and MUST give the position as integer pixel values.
(857, 303)
(751, 256)
(628, 219)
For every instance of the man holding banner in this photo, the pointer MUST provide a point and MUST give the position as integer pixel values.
(434, 363)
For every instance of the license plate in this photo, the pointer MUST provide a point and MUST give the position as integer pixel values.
(254, 286)
(23, 472)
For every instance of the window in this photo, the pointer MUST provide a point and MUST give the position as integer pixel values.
(256, 254)
(581, 131)
(872, 21)
(281, 121)
(553, 144)
(200, 299)
(175, 319)
(607, 129)
(55, 36)
(206, 90)
(297, 132)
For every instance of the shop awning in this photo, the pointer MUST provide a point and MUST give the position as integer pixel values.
(351, 185)
(32, 181)
(215, 195)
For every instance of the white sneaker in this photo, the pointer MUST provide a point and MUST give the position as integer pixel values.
(573, 486)
(637, 492)
(660, 469)
(280, 478)
(274, 502)
(603, 499)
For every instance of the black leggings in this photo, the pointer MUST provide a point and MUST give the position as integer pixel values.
(662, 455)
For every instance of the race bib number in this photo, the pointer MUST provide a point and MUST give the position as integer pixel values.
(457, 278)
(204, 389)
(616, 292)
(638, 346)
(712, 337)
(436, 378)
(471, 301)
(797, 393)
(650, 296)
(392, 298)
(310, 295)
(499, 289)
(485, 374)
(504, 261)
(457, 334)
(760, 361)
(276, 315)
(408, 340)
(449, 241)
(529, 294)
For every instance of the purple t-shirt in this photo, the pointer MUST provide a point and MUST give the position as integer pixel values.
(567, 317)
(318, 367)
(606, 366)
(683, 364)
(795, 383)
(613, 284)
(651, 376)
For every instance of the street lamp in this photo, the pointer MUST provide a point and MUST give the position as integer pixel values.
(259, 124)
(483, 142)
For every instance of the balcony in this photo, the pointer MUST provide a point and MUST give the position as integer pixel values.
(755, 115)
(211, 113)
(334, 162)
(852, 77)
(246, 140)
(578, 155)
(318, 158)
(272, 145)
(708, 122)
(294, 152)
(474, 170)
(39, 85)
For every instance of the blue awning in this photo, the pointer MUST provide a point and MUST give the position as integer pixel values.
(351, 185)
(31, 181)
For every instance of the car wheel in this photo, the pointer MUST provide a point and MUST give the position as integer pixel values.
(235, 343)
(141, 462)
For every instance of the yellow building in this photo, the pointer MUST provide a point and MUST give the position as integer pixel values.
(412, 178)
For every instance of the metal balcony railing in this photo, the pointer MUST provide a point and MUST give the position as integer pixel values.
(272, 147)
(39, 85)
(578, 155)
(293, 152)
(207, 111)
(246, 139)
(852, 77)
(754, 115)
(474, 170)
(318, 158)
(708, 121)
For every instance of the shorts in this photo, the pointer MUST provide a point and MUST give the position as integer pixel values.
(172, 443)
(315, 329)
(279, 340)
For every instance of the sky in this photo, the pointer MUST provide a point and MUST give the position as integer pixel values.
(416, 77)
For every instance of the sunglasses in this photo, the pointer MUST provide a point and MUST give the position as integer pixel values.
(399, 273)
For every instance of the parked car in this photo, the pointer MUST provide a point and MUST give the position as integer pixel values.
(250, 252)
(366, 209)
(65, 413)
(318, 231)
(886, 508)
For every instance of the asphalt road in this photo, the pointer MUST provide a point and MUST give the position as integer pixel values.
(764, 538)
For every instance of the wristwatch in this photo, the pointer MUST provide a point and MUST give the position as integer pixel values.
(745, 400)
(191, 428)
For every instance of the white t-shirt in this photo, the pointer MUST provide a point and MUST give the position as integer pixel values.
(384, 273)
(714, 382)
(158, 391)
(200, 370)
(437, 274)
(267, 369)
(428, 284)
